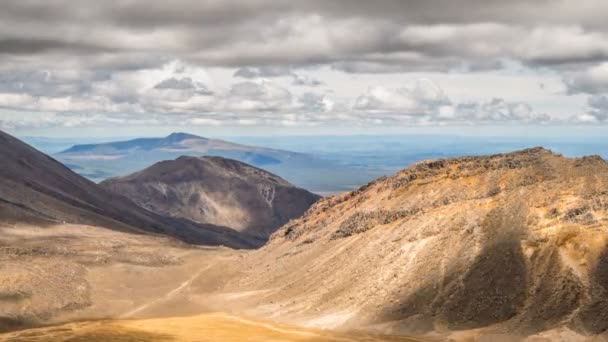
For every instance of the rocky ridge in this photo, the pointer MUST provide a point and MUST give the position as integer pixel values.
(513, 243)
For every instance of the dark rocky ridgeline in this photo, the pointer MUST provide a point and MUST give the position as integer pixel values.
(36, 188)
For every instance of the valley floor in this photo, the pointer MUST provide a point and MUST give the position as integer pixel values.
(199, 328)
(81, 283)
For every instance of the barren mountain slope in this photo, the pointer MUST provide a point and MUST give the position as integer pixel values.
(55, 272)
(36, 188)
(218, 191)
(109, 284)
(513, 243)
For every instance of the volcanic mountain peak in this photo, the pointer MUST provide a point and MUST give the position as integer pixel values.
(214, 190)
(187, 167)
(179, 136)
(509, 242)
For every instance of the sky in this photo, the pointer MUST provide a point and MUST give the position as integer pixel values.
(264, 67)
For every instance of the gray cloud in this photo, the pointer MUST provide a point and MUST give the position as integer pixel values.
(185, 83)
(313, 102)
(424, 98)
(74, 57)
(130, 97)
(425, 102)
(598, 109)
(46, 83)
(498, 110)
(175, 83)
(594, 80)
(268, 71)
(354, 35)
(306, 81)
(257, 96)
(40, 45)
(277, 71)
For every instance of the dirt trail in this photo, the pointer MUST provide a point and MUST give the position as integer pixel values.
(168, 295)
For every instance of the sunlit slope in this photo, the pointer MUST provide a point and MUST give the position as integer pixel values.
(513, 243)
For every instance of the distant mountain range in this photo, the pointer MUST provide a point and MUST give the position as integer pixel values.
(177, 143)
(101, 161)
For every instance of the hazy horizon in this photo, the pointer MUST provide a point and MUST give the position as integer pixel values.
(349, 161)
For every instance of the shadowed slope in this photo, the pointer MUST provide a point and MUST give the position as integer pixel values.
(36, 188)
(218, 191)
